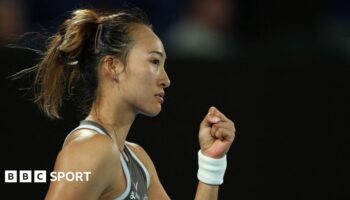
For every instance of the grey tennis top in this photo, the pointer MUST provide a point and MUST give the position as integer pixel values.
(137, 176)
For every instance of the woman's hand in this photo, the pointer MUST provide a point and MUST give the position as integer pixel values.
(216, 134)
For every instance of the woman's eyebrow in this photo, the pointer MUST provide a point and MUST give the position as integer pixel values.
(159, 53)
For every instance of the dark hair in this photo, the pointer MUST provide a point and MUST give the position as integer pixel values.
(70, 64)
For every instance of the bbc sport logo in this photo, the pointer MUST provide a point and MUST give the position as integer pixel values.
(40, 176)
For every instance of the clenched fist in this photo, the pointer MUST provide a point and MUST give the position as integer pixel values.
(216, 134)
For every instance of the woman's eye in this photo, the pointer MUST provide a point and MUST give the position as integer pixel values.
(155, 61)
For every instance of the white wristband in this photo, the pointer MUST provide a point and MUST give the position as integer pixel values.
(211, 171)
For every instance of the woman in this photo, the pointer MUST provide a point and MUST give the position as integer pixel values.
(116, 62)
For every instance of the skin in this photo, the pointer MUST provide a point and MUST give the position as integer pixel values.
(119, 102)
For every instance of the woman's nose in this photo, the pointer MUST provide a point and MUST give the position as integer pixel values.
(164, 81)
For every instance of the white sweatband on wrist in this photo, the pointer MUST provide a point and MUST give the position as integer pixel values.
(211, 171)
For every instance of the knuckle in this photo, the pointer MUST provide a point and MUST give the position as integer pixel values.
(221, 130)
(233, 125)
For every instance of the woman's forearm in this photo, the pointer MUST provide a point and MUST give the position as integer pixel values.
(216, 134)
(207, 192)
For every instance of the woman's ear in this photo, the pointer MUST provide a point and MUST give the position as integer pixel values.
(112, 67)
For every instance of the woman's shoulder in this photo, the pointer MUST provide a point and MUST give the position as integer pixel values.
(85, 135)
(87, 152)
(137, 150)
(133, 146)
(86, 149)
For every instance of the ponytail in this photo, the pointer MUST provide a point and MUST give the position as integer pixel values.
(58, 70)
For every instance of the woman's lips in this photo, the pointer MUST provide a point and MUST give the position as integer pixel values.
(160, 96)
(160, 99)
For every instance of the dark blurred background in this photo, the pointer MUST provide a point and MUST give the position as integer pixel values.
(279, 69)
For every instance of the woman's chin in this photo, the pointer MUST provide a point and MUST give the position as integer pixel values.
(153, 112)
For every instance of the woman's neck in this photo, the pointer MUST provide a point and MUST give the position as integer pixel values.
(117, 120)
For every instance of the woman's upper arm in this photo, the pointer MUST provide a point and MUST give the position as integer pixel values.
(155, 190)
(95, 154)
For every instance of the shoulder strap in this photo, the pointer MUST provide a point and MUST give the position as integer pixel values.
(94, 124)
(87, 124)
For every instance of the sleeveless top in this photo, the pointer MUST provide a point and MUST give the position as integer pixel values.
(137, 176)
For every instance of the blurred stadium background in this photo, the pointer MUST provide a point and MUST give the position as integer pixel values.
(279, 69)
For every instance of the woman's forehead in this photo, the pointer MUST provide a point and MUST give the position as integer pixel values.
(146, 39)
